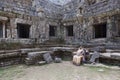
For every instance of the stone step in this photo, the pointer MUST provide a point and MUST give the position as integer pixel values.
(110, 55)
(27, 50)
(101, 40)
(112, 46)
(69, 49)
(115, 56)
(91, 45)
(40, 52)
(57, 45)
(9, 55)
(112, 50)
(9, 51)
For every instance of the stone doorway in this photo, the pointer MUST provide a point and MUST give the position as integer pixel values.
(100, 30)
(23, 30)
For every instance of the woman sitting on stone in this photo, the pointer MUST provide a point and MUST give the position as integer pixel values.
(80, 56)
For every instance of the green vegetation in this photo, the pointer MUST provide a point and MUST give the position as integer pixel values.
(60, 40)
(61, 71)
(9, 72)
(9, 46)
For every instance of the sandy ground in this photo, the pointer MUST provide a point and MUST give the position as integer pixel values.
(58, 71)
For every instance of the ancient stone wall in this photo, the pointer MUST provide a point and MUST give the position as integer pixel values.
(22, 12)
(40, 14)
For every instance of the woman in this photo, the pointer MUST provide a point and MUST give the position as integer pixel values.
(79, 57)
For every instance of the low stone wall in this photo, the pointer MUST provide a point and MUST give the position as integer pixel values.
(109, 61)
(11, 57)
(22, 41)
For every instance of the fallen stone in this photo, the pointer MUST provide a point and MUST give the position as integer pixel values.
(58, 60)
(47, 57)
(41, 62)
(94, 56)
(34, 57)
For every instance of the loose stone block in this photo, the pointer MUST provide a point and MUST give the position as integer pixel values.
(47, 57)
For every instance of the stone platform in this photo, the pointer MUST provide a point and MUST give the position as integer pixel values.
(8, 57)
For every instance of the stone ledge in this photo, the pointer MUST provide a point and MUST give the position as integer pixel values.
(3, 18)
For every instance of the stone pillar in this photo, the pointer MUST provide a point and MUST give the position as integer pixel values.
(111, 28)
(4, 30)
(3, 20)
(89, 28)
(13, 28)
(60, 31)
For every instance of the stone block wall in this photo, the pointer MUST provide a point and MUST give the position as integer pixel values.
(40, 14)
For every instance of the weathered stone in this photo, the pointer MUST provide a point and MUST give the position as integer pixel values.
(3, 18)
(99, 49)
(77, 22)
(42, 62)
(35, 57)
(94, 56)
(47, 57)
(57, 60)
(115, 56)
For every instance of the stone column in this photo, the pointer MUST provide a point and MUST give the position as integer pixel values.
(111, 28)
(13, 28)
(60, 31)
(4, 30)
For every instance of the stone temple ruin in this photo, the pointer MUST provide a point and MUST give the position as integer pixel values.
(83, 22)
(77, 21)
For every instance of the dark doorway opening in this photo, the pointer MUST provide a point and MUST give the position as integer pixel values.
(70, 30)
(23, 30)
(100, 30)
(1, 30)
(52, 31)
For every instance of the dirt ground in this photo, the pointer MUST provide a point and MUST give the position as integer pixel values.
(58, 71)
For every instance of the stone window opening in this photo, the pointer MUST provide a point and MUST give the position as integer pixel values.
(100, 30)
(81, 10)
(52, 31)
(23, 30)
(70, 31)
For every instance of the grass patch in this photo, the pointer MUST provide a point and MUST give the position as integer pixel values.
(9, 73)
(100, 69)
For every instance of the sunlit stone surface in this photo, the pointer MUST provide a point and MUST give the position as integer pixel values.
(60, 2)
